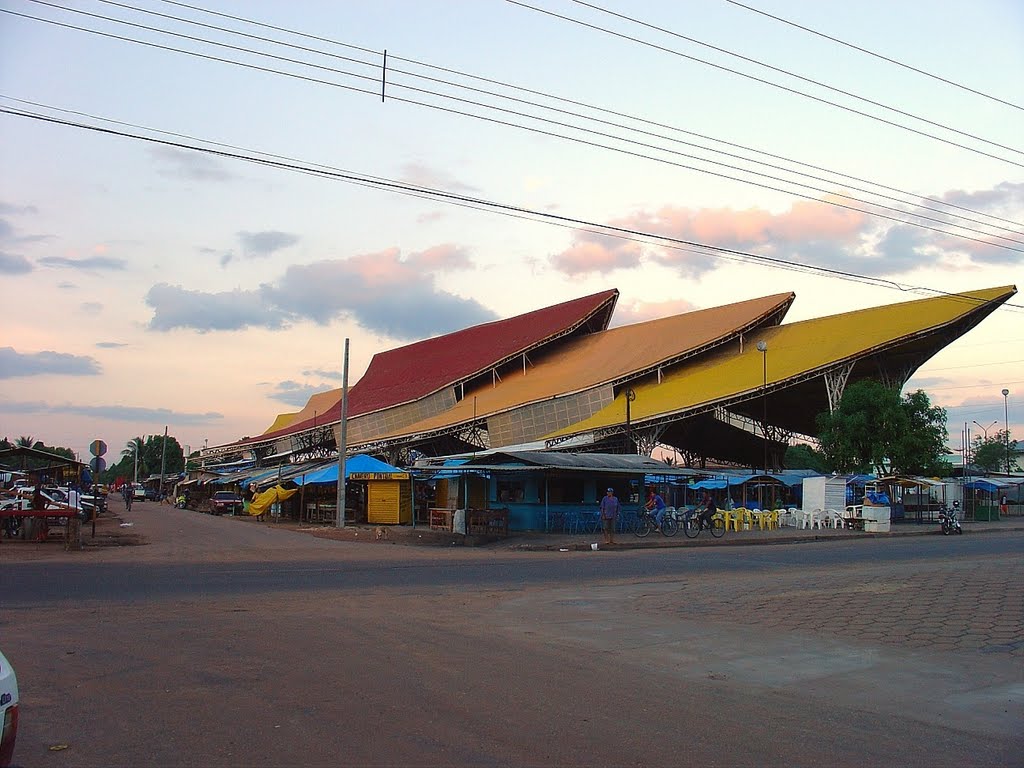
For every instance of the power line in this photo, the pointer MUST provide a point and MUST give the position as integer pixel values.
(878, 55)
(794, 91)
(563, 99)
(534, 104)
(381, 183)
(538, 130)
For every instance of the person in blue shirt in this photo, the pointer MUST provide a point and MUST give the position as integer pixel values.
(656, 505)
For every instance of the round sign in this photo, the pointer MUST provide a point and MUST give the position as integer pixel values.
(98, 464)
(97, 447)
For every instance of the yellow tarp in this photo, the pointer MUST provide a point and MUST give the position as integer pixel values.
(261, 502)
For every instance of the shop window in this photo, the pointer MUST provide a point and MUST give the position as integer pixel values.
(511, 490)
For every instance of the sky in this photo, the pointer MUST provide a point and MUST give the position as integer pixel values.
(206, 279)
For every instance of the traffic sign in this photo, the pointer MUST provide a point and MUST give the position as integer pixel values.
(98, 464)
(97, 447)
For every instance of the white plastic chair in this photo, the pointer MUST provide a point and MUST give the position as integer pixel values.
(833, 519)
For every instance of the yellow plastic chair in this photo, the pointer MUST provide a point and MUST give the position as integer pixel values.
(770, 520)
(732, 518)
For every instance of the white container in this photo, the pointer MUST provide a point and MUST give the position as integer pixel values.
(876, 526)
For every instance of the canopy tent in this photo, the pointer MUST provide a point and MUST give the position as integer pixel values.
(989, 484)
(359, 464)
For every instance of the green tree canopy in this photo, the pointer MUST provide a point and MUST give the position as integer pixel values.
(875, 430)
(805, 457)
(990, 454)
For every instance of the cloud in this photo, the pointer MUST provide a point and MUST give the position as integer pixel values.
(112, 412)
(91, 307)
(809, 232)
(194, 166)
(64, 285)
(339, 375)
(91, 263)
(641, 311)
(13, 264)
(593, 252)
(110, 345)
(176, 307)
(8, 209)
(423, 176)
(14, 364)
(294, 393)
(261, 244)
(381, 291)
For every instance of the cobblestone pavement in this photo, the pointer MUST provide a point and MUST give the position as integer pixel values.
(975, 608)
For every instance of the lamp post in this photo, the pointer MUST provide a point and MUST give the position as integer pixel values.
(986, 429)
(1006, 431)
(630, 397)
(762, 347)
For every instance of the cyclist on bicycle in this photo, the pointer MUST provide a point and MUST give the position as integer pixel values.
(707, 510)
(656, 505)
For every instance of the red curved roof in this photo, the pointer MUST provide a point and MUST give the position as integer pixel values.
(416, 370)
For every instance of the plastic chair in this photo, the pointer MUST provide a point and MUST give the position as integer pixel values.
(768, 520)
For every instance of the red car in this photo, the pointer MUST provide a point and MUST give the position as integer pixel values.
(225, 501)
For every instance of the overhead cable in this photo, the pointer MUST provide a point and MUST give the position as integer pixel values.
(369, 78)
(877, 55)
(452, 197)
(794, 91)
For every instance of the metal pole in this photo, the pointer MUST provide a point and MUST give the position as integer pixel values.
(1006, 430)
(163, 465)
(343, 442)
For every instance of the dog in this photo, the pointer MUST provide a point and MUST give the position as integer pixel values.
(380, 533)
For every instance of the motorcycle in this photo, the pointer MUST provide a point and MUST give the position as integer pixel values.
(181, 502)
(950, 519)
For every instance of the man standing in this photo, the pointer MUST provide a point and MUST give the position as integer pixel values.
(609, 512)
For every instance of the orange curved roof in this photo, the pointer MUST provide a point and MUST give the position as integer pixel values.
(599, 358)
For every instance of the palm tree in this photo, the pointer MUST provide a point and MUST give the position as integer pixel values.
(25, 441)
(133, 449)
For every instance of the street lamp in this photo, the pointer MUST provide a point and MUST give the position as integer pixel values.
(762, 347)
(630, 397)
(986, 429)
(1006, 431)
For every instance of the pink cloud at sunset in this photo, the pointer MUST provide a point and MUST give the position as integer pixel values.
(641, 311)
(804, 222)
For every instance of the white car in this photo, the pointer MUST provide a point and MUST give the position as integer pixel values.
(8, 711)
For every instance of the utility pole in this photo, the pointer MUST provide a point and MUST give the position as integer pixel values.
(343, 441)
(163, 464)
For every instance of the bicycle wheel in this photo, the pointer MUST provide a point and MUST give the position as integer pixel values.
(691, 527)
(717, 527)
(644, 526)
(669, 526)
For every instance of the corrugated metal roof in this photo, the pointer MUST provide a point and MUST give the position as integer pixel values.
(611, 355)
(793, 350)
(576, 462)
(416, 370)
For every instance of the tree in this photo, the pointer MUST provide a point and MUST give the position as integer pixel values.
(803, 456)
(990, 454)
(873, 429)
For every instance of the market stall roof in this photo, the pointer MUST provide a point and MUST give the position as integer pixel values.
(354, 465)
(989, 484)
(20, 451)
(606, 463)
(905, 481)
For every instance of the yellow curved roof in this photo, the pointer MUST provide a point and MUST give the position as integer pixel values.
(793, 349)
(282, 421)
(598, 358)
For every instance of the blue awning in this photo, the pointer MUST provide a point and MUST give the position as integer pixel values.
(358, 464)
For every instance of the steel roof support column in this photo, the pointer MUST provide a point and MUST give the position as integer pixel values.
(835, 384)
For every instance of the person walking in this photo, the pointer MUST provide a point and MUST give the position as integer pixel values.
(610, 509)
(1002, 506)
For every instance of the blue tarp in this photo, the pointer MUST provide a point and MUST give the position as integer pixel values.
(358, 464)
(982, 484)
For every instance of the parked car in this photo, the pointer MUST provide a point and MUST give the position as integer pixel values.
(139, 492)
(8, 711)
(225, 501)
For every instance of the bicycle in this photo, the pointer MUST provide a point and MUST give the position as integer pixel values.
(646, 523)
(693, 524)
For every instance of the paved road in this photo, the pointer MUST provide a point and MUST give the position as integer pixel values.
(224, 643)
